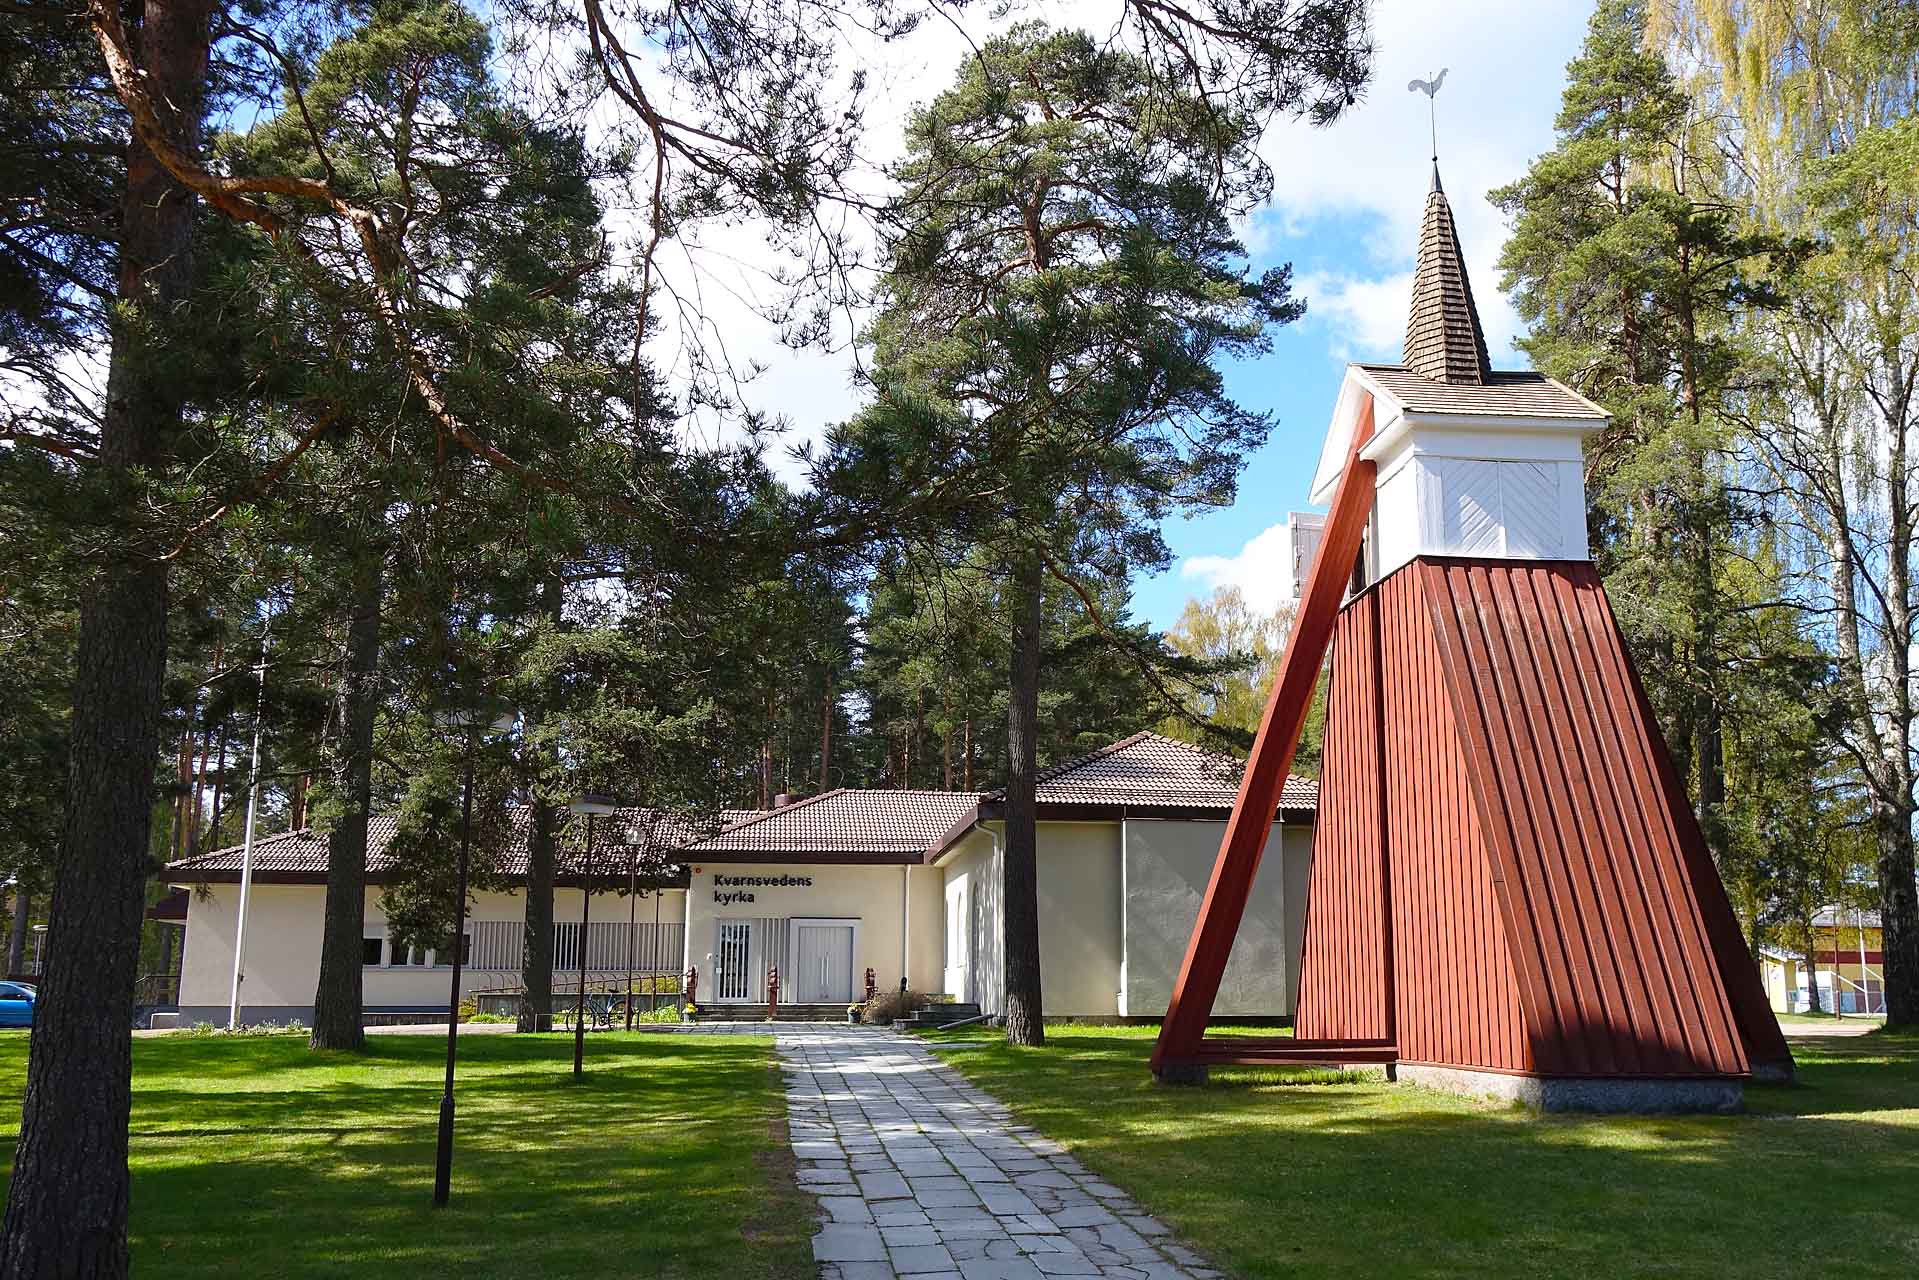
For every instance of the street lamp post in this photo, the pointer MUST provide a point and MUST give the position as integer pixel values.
(632, 921)
(592, 806)
(474, 723)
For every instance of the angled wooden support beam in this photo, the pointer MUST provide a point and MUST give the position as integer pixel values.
(1236, 1052)
(1224, 905)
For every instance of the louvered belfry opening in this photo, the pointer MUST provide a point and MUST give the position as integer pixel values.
(1443, 338)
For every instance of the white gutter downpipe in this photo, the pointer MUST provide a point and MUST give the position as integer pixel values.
(999, 879)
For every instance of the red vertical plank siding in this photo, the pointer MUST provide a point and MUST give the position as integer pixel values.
(1758, 1029)
(1500, 824)
(1558, 836)
(1698, 1002)
(1657, 987)
(1466, 661)
(1342, 975)
(1610, 918)
(1458, 998)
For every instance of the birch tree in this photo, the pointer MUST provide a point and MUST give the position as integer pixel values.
(1818, 119)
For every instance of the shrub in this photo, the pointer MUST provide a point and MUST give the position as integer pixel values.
(489, 1017)
(293, 1028)
(665, 1013)
(890, 1006)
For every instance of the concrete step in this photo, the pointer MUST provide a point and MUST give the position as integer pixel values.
(939, 1015)
(757, 1013)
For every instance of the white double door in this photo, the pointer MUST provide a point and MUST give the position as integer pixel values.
(822, 962)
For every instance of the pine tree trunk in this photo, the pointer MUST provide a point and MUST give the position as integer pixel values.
(919, 733)
(536, 975)
(198, 798)
(536, 980)
(1021, 865)
(219, 785)
(826, 736)
(338, 999)
(183, 803)
(66, 1210)
(1893, 816)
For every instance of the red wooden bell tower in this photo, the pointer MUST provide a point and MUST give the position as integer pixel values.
(1510, 894)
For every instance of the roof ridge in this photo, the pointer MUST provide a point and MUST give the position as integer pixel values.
(763, 815)
(307, 831)
(1079, 762)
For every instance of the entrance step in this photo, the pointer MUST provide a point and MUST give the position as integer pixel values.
(939, 1015)
(757, 1013)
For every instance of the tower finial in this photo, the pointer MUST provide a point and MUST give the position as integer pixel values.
(1431, 89)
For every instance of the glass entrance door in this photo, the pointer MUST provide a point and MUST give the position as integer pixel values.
(733, 961)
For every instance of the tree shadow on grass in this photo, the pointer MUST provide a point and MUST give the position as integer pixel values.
(1365, 1178)
(655, 1164)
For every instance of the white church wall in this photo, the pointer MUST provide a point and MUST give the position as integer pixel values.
(1166, 866)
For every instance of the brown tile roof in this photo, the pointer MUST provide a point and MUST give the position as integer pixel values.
(881, 826)
(303, 853)
(1150, 769)
(1506, 393)
(1443, 339)
(1145, 771)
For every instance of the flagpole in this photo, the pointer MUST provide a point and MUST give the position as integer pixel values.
(246, 847)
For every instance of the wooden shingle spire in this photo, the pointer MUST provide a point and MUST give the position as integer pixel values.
(1443, 339)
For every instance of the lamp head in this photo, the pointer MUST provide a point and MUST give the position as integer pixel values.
(594, 803)
(484, 719)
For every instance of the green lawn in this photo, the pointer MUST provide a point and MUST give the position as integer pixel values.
(1275, 1177)
(257, 1157)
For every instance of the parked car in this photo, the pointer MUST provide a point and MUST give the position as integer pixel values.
(16, 1004)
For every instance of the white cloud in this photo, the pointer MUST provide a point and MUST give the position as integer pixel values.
(1263, 569)
(1367, 316)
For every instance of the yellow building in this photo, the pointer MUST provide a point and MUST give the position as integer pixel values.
(1847, 960)
(828, 892)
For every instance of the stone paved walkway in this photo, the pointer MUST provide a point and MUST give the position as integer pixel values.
(920, 1174)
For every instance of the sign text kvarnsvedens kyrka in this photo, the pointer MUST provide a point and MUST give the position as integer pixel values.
(741, 886)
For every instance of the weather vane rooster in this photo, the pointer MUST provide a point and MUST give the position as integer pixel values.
(1430, 88)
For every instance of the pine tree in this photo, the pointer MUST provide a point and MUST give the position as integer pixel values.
(1633, 278)
(66, 1206)
(1063, 281)
(1817, 112)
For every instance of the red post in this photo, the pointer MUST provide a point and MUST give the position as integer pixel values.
(772, 995)
(1224, 905)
